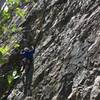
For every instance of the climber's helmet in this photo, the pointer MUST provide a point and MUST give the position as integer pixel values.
(26, 49)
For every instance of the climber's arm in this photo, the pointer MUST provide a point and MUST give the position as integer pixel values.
(22, 53)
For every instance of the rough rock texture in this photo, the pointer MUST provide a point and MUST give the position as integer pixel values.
(66, 34)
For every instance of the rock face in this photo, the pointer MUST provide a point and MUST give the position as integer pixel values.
(66, 34)
(95, 93)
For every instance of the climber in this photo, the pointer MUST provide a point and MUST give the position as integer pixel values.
(27, 58)
(27, 68)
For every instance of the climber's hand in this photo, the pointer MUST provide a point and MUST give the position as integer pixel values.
(32, 47)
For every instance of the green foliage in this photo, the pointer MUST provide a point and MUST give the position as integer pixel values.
(14, 28)
(13, 2)
(6, 15)
(1, 29)
(12, 8)
(5, 28)
(12, 76)
(10, 79)
(16, 45)
(20, 12)
(2, 59)
(27, 0)
(3, 51)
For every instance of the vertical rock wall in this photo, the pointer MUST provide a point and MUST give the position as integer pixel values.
(66, 34)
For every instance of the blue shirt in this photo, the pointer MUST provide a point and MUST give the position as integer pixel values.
(28, 54)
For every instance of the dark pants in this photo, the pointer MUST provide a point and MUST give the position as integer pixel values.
(27, 79)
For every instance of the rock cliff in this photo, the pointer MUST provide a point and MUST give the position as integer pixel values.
(66, 35)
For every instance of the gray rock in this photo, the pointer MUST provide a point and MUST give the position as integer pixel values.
(95, 93)
(66, 34)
